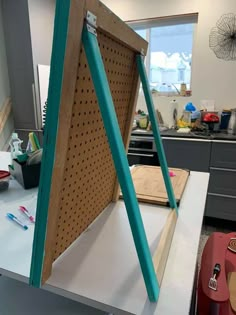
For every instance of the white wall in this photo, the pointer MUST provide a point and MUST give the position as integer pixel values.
(140, 9)
(212, 78)
(41, 16)
(4, 80)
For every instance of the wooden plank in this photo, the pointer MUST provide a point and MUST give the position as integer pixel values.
(112, 25)
(150, 187)
(154, 200)
(4, 113)
(161, 254)
(232, 289)
(148, 181)
(67, 99)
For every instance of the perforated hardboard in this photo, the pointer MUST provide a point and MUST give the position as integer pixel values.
(84, 178)
(89, 176)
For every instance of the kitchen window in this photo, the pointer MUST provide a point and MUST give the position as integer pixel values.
(169, 57)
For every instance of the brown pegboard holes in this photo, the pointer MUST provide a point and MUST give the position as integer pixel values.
(89, 175)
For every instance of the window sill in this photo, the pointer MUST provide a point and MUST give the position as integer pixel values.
(169, 94)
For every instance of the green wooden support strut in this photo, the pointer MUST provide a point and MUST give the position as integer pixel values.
(107, 109)
(50, 135)
(156, 133)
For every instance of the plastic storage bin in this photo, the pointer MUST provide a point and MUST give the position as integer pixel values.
(27, 175)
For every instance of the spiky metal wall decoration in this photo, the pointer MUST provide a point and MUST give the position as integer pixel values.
(222, 39)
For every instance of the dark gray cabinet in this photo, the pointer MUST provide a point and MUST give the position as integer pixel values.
(216, 157)
(223, 154)
(190, 154)
(221, 206)
(20, 61)
(222, 181)
(28, 29)
(221, 198)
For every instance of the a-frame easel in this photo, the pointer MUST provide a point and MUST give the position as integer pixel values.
(152, 268)
(106, 105)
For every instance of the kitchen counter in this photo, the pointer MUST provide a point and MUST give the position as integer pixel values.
(116, 284)
(15, 243)
(192, 135)
(222, 135)
(214, 153)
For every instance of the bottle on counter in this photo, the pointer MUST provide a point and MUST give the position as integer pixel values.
(15, 145)
(171, 114)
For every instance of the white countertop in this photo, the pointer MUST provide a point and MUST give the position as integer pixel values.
(15, 243)
(101, 268)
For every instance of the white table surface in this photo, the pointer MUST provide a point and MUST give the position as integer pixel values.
(101, 268)
(15, 242)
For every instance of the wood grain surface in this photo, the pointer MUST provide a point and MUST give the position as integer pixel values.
(150, 187)
(161, 254)
(84, 179)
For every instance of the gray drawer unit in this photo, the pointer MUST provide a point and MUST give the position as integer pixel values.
(223, 154)
(222, 181)
(222, 207)
(190, 154)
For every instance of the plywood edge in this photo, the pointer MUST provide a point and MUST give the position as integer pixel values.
(67, 98)
(132, 170)
(115, 27)
(4, 113)
(161, 254)
(232, 289)
(161, 199)
(153, 166)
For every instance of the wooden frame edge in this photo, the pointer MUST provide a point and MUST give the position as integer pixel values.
(115, 27)
(5, 112)
(161, 254)
(72, 54)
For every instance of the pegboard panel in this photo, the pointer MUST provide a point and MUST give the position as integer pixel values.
(89, 175)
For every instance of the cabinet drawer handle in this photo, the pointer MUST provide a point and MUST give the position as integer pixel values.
(144, 139)
(140, 149)
(223, 141)
(185, 139)
(221, 195)
(223, 169)
(140, 154)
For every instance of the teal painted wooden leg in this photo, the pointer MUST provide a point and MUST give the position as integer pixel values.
(50, 135)
(106, 106)
(156, 133)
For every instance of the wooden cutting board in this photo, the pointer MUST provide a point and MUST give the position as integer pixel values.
(150, 187)
(232, 289)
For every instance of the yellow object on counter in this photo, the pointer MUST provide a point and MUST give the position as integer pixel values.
(182, 124)
(143, 121)
(34, 142)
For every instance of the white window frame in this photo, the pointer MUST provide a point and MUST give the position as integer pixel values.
(164, 21)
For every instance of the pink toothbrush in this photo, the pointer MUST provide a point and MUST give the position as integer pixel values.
(26, 212)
